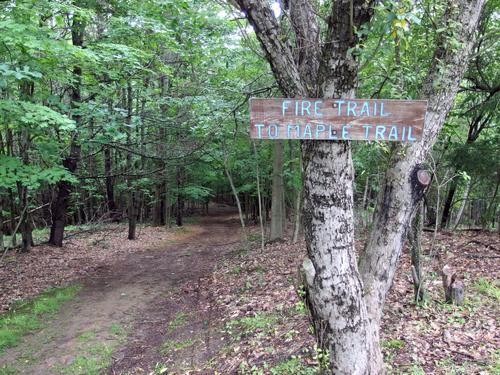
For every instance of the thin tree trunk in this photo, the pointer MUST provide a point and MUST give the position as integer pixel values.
(259, 197)
(27, 91)
(277, 201)
(298, 208)
(180, 199)
(465, 196)
(415, 242)
(487, 215)
(131, 196)
(445, 218)
(365, 193)
(110, 192)
(236, 197)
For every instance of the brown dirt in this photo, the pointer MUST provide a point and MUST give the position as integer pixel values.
(141, 293)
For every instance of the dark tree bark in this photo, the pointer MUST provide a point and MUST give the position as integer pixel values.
(445, 218)
(64, 188)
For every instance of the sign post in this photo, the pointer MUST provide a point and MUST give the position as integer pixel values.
(337, 119)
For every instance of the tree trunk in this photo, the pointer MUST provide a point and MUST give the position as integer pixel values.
(27, 90)
(180, 199)
(298, 208)
(415, 242)
(335, 289)
(277, 203)
(235, 194)
(445, 218)
(400, 192)
(259, 197)
(131, 196)
(465, 196)
(61, 203)
(110, 192)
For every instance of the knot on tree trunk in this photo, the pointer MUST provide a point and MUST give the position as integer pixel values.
(420, 179)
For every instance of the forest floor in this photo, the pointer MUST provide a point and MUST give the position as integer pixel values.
(196, 300)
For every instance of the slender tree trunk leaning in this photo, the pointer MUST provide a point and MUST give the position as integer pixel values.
(415, 244)
(259, 197)
(346, 304)
(236, 197)
(465, 196)
(278, 188)
(445, 217)
(64, 188)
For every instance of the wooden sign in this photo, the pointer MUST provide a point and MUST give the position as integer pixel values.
(337, 119)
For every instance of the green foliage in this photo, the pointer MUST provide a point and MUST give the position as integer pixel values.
(13, 171)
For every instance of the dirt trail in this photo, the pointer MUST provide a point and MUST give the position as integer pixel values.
(138, 309)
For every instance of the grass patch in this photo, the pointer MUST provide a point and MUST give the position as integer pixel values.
(172, 345)
(179, 320)
(7, 370)
(487, 288)
(494, 363)
(93, 362)
(292, 366)
(260, 323)
(117, 330)
(27, 316)
(87, 336)
(252, 237)
(393, 344)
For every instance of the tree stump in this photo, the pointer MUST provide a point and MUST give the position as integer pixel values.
(453, 287)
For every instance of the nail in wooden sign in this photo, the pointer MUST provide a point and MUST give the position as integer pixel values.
(337, 119)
